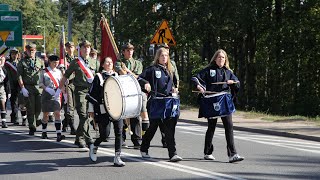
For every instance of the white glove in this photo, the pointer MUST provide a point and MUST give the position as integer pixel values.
(57, 94)
(50, 90)
(25, 92)
(9, 96)
(89, 80)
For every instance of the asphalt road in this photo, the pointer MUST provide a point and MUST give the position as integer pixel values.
(266, 157)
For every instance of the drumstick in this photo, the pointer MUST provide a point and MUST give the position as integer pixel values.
(225, 82)
(208, 92)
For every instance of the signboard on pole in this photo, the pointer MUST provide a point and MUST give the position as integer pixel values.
(11, 28)
(163, 35)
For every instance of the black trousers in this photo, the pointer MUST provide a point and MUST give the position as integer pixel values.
(103, 122)
(14, 104)
(135, 127)
(228, 129)
(169, 126)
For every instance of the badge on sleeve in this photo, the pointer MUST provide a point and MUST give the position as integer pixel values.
(212, 72)
(158, 74)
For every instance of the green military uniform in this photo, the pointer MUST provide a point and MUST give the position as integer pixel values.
(14, 86)
(69, 107)
(133, 65)
(29, 72)
(80, 91)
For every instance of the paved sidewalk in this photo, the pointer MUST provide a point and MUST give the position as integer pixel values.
(296, 129)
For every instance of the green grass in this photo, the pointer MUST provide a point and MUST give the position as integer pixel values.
(263, 116)
(277, 118)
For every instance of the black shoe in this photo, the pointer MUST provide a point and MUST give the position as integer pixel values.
(31, 131)
(44, 135)
(4, 124)
(50, 119)
(38, 122)
(24, 122)
(60, 137)
(79, 144)
(72, 131)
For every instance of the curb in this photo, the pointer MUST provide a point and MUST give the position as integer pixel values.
(260, 131)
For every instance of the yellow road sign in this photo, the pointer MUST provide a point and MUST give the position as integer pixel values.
(163, 35)
(4, 35)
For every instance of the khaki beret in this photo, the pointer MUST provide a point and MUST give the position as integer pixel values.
(29, 46)
(69, 44)
(127, 46)
(85, 43)
(93, 51)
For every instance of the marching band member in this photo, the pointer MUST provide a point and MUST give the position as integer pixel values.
(218, 70)
(82, 67)
(28, 78)
(100, 114)
(50, 78)
(4, 91)
(158, 80)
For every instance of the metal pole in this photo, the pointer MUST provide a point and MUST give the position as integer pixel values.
(69, 21)
(44, 39)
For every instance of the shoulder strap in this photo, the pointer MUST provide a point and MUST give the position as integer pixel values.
(52, 78)
(100, 78)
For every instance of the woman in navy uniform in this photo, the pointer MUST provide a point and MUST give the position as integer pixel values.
(159, 81)
(99, 113)
(218, 70)
(50, 78)
(4, 91)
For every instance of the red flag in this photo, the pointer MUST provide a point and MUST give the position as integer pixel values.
(108, 45)
(62, 53)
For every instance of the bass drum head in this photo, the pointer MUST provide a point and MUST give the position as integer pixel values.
(113, 98)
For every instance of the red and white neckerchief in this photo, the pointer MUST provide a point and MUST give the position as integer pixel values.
(11, 66)
(85, 70)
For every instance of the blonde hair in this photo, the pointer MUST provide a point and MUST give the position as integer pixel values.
(214, 57)
(168, 65)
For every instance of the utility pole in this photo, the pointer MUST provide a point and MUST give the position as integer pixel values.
(69, 21)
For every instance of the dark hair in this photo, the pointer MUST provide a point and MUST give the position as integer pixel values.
(102, 62)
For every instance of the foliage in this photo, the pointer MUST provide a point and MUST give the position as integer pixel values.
(273, 46)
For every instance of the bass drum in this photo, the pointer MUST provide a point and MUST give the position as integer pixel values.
(122, 97)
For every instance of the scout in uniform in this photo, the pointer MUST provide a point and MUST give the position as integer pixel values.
(4, 91)
(11, 67)
(50, 78)
(29, 69)
(82, 69)
(69, 107)
(128, 65)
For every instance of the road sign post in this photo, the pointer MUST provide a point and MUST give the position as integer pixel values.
(11, 28)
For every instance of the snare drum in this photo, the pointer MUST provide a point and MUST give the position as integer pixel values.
(122, 97)
(163, 107)
(216, 105)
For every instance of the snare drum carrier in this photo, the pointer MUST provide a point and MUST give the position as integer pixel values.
(216, 105)
(160, 106)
